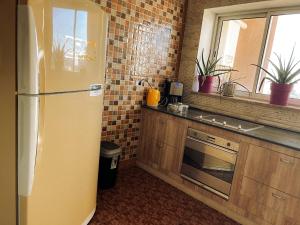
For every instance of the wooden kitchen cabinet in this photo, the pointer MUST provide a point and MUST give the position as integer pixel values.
(162, 141)
(151, 141)
(266, 203)
(170, 162)
(174, 139)
(270, 188)
(144, 144)
(167, 158)
(175, 132)
(274, 169)
(266, 184)
(171, 130)
(153, 125)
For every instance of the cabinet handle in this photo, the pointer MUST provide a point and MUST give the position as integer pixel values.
(286, 161)
(278, 196)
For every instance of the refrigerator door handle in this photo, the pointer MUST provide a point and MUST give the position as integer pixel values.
(28, 125)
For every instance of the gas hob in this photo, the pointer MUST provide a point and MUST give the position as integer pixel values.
(229, 122)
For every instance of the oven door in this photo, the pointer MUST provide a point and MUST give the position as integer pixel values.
(209, 166)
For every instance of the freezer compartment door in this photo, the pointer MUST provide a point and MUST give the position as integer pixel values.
(28, 122)
(66, 169)
(28, 52)
(63, 45)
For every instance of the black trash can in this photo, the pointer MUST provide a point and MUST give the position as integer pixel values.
(109, 163)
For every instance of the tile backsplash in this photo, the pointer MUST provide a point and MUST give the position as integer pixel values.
(144, 40)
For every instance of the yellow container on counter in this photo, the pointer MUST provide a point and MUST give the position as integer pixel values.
(153, 97)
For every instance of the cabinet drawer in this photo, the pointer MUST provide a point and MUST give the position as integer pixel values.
(274, 169)
(268, 203)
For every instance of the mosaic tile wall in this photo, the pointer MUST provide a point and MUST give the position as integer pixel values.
(144, 39)
(276, 116)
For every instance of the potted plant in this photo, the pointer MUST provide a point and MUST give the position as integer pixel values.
(228, 88)
(283, 78)
(207, 71)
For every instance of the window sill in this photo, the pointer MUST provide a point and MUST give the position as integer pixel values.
(250, 101)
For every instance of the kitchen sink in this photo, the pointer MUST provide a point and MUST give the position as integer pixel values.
(229, 122)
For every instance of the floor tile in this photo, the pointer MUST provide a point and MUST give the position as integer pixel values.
(142, 199)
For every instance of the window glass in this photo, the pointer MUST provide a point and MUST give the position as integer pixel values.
(283, 36)
(239, 46)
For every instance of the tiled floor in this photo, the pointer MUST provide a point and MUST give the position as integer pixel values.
(141, 199)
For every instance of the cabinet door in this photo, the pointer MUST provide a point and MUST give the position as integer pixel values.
(170, 160)
(151, 138)
(174, 139)
(166, 158)
(145, 137)
(268, 203)
(155, 151)
(175, 132)
(274, 169)
(162, 141)
(159, 122)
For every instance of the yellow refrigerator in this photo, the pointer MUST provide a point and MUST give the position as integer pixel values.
(61, 67)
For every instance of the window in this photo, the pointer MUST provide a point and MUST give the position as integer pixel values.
(254, 39)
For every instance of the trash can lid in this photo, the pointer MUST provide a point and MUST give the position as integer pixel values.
(109, 149)
(109, 145)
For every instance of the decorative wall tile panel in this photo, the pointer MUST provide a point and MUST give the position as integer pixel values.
(150, 50)
(143, 42)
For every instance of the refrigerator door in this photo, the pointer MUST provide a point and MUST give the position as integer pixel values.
(28, 124)
(61, 46)
(66, 166)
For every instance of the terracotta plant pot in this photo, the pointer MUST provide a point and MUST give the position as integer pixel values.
(280, 93)
(206, 86)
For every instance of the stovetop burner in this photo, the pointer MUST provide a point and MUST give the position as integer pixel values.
(230, 122)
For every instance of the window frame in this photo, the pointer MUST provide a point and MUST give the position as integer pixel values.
(266, 13)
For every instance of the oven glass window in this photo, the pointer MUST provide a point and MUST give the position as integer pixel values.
(209, 164)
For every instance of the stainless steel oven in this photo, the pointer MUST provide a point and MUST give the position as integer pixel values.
(209, 161)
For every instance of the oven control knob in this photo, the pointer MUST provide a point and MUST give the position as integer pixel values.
(239, 127)
(200, 116)
(224, 123)
(213, 120)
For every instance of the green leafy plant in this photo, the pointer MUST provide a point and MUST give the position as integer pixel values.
(207, 67)
(284, 72)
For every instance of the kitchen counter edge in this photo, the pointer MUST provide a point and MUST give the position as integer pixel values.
(291, 140)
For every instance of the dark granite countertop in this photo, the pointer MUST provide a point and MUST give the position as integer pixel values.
(270, 134)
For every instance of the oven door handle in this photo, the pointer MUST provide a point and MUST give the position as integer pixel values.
(211, 145)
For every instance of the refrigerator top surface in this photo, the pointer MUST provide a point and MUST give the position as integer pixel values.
(61, 46)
